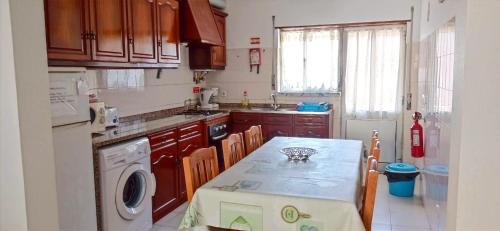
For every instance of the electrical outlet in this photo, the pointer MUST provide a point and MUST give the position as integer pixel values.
(224, 93)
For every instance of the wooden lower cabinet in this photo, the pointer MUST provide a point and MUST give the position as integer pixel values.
(271, 131)
(167, 150)
(164, 166)
(276, 124)
(186, 147)
(311, 131)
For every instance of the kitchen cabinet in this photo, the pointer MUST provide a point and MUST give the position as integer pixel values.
(167, 150)
(276, 124)
(113, 33)
(168, 31)
(67, 26)
(203, 56)
(186, 146)
(164, 167)
(142, 37)
(109, 30)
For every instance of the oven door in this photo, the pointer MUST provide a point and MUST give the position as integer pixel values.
(216, 141)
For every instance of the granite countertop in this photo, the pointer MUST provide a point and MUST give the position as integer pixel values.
(292, 111)
(142, 127)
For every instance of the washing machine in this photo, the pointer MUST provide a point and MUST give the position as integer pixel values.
(127, 186)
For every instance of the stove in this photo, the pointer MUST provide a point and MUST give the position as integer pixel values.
(202, 112)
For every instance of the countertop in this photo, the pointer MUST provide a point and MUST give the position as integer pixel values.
(143, 127)
(279, 111)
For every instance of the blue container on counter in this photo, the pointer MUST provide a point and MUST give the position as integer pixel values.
(401, 177)
(312, 107)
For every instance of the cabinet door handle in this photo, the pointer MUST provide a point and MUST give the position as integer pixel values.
(161, 158)
(130, 41)
(187, 147)
(159, 43)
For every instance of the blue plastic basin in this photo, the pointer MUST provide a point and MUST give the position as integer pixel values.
(401, 177)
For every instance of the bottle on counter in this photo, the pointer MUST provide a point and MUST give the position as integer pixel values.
(245, 102)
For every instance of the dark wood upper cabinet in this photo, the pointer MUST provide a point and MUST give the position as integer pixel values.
(203, 56)
(67, 27)
(168, 31)
(142, 33)
(109, 30)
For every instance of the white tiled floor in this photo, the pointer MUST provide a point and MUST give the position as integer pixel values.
(171, 221)
(391, 213)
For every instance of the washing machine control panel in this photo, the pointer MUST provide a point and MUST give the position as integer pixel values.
(122, 154)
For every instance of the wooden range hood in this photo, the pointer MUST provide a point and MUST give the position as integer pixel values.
(198, 23)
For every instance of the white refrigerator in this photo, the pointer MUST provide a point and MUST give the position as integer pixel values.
(73, 149)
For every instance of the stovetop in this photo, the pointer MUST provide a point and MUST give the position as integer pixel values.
(201, 112)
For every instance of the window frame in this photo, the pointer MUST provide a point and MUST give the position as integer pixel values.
(278, 61)
(341, 55)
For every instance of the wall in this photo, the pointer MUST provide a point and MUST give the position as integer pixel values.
(473, 187)
(253, 19)
(32, 83)
(173, 87)
(12, 198)
(477, 181)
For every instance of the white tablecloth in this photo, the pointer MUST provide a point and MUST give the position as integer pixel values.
(265, 191)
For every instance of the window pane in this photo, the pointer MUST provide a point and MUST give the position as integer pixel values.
(308, 60)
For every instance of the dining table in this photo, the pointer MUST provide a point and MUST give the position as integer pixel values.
(268, 191)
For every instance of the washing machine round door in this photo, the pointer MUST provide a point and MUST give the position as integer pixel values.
(131, 191)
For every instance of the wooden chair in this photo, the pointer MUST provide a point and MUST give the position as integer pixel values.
(199, 167)
(369, 195)
(376, 150)
(233, 149)
(253, 138)
(373, 141)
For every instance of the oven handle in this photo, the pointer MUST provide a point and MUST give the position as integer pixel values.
(219, 137)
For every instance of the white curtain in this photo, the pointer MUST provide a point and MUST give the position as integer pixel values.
(308, 60)
(374, 72)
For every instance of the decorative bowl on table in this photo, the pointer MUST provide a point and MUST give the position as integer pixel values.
(298, 153)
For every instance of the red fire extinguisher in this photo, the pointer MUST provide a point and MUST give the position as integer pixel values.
(417, 142)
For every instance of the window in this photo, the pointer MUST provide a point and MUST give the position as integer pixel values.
(374, 71)
(308, 60)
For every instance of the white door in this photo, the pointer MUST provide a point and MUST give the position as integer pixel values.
(373, 86)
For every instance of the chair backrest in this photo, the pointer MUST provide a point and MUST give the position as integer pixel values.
(253, 138)
(373, 141)
(369, 195)
(199, 168)
(233, 149)
(376, 150)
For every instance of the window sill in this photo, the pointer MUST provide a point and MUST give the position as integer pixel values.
(305, 94)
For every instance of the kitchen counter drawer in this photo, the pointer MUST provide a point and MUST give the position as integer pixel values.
(162, 138)
(245, 118)
(311, 120)
(190, 144)
(190, 130)
(277, 119)
(311, 131)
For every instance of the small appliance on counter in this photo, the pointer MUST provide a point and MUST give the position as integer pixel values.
(98, 117)
(111, 114)
(206, 98)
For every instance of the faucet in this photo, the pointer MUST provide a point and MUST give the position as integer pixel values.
(275, 104)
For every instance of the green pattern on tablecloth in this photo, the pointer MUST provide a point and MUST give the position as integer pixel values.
(240, 216)
(309, 225)
(191, 218)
